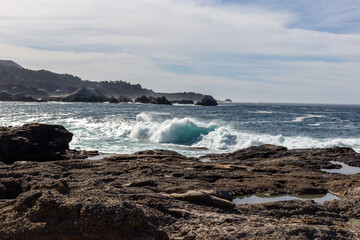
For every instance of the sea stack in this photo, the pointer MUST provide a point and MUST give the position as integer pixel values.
(207, 100)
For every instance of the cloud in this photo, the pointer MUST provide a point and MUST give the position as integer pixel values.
(220, 47)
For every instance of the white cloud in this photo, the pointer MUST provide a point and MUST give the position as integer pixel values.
(129, 40)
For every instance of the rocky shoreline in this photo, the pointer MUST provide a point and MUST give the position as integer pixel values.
(160, 194)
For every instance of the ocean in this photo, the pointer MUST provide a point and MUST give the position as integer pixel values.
(193, 130)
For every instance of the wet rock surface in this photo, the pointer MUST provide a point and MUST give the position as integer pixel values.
(158, 194)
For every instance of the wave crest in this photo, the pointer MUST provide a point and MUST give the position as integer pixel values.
(195, 133)
(184, 131)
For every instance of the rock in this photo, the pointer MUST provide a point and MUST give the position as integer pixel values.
(184, 101)
(228, 100)
(199, 197)
(4, 96)
(33, 142)
(124, 99)
(113, 100)
(156, 190)
(160, 100)
(81, 95)
(47, 215)
(22, 98)
(207, 101)
(144, 183)
(142, 99)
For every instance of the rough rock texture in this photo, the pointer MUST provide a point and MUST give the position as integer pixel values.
(207, 101)
(33, 142)
(142, 99)
(124, 99)
(187, 198)
(160, 100)
(47, 212)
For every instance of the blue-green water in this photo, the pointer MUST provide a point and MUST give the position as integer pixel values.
(127, 128)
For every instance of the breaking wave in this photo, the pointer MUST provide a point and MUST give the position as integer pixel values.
(199, 134)
(184, 131)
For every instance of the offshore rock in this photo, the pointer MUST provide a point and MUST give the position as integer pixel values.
(81, 95)
(113, 100)
(142, 99)
(4, 96)
(207, 101)
(160, 100)
(33, 142)
(124, 99)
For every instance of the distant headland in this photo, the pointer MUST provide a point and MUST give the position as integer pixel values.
(20, 84)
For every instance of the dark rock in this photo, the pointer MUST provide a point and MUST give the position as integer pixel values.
(228, 100)
(150, 183)
(182, 196)
(199, 197)
(142, 99)
(160, 100)
(124, 99)
(4, 96)
(113, 100)
(33, 142)
(81, 95)
(207, 101)
(184, 101)
(47, 215)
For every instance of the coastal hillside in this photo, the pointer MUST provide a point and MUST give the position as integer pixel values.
(16, 79)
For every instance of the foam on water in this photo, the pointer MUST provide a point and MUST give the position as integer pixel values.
(200, 134)
(184, 131)
(127, 128)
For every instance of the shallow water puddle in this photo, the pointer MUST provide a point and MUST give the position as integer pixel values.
(345, 169)
(255, 199)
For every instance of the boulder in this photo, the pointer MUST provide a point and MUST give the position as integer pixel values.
(142, 99)
(228, 100)
(113, 100)
(4, 96)
(207, 101)
(160, 100)
(33, 142)
(124, 99)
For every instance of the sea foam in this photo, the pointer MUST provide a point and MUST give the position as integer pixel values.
(195, 133)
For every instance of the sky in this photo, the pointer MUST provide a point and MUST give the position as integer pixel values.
(246, 50)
